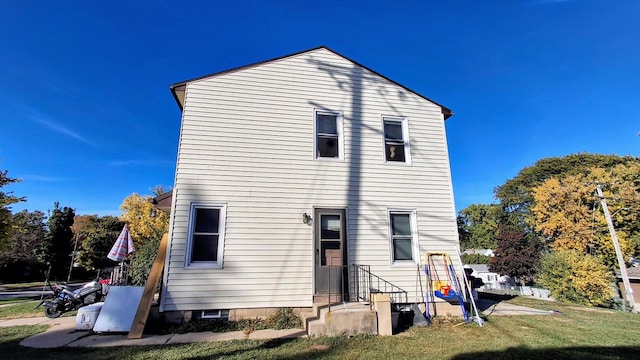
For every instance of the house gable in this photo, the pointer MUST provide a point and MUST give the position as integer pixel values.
(178, 89)
(247, 144)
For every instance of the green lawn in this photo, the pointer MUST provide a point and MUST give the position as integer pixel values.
(15, 286)
(20, 309)
(24, 309)
(579, 333)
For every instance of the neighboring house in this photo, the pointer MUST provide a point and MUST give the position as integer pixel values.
(490, 279)
(633, 273)
(483, 252)
(290, 165)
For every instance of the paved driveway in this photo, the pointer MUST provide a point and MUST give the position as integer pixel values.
(490, 308)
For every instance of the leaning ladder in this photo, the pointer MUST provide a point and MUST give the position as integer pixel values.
(468, 286)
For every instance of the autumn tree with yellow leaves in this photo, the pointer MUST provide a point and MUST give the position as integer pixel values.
(145, 221)
(553, 203)
(576, 277)
(567, 212)
(146, 225)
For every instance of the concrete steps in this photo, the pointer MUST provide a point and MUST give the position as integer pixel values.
(340, 319)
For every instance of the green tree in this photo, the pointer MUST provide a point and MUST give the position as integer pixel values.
(516, 196)
(517, 254)
(475, 259)
(478, 225)
(97, 238)
(58, 246)
(573, 276)
(6, 199)
(147, 225)
(20, 259)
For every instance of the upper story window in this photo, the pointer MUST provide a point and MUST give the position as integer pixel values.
(396, 140)
(403, 237)
(329, 142)
(205, 242)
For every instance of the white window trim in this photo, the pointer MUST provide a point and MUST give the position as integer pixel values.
(339, 128)
(415, 251)
(405, 138)
(214, 314)
(221, 236)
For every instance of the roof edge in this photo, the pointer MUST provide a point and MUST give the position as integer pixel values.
(445, 110)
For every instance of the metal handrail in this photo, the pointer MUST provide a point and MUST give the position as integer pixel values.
(362, 283)
(373, 284)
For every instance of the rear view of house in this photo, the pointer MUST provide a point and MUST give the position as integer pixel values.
(296, 176)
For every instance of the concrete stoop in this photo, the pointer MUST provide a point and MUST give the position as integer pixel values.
(343, 319)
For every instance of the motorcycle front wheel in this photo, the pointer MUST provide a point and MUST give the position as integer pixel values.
(52, 313)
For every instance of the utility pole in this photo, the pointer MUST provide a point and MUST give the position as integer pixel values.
(616, 245)
(73, 257)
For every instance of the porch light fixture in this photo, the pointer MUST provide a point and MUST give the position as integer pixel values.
(306, 219)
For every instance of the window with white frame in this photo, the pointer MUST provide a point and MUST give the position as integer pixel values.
(328, 129)
(215, 314)
(396, 140)
(402, 234)
(206, 235)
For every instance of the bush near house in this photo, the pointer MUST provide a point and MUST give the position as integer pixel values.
(572, 276)
(283, 318)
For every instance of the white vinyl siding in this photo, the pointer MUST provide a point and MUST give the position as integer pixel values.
(246, 140)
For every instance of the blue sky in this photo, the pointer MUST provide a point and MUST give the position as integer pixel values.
(87, 117)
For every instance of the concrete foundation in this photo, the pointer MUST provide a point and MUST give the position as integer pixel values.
(443, 308)
(260, 313)
(173, 317)
(343, 319)
(179, 317)
(382, 306)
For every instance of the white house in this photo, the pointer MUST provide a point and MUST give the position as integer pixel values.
(490, 279)
(483, 252)
(290, 166)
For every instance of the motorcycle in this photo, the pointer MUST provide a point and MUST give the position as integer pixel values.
(65, 298)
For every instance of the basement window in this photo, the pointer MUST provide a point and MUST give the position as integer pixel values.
(215, 314)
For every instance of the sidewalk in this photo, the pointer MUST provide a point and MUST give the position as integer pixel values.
(62, 333)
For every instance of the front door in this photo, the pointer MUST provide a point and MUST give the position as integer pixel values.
(331, 251)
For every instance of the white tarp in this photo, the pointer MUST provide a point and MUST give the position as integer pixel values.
(119, 309)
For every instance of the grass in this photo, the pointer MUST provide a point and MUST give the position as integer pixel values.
(579, 332)
(15, 286)
(14, 300)
(23, 309)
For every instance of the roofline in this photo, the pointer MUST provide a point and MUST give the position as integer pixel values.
(161, 197)
(445, 110)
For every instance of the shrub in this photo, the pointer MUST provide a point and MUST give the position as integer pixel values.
(576, 277)
(142, 262)
(283, 318)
